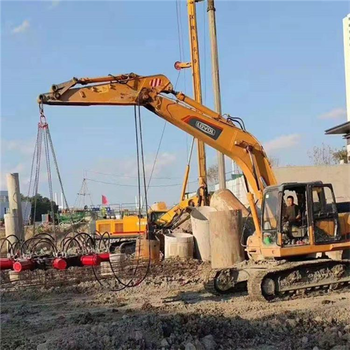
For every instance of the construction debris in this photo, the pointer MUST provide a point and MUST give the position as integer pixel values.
(170, 310)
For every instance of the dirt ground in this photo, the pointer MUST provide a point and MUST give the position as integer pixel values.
(169, 310)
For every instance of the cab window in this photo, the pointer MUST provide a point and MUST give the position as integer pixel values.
(270, 217)
(324, 214)
(323, 203)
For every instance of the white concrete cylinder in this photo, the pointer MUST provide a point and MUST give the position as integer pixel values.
(15, 203)
(170, 246)
(225, 236)
(201, 233)
(11, 227)
(117, 258)
(223, 200)
(178, 244)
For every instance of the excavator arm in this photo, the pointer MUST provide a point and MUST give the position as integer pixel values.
(156, 93)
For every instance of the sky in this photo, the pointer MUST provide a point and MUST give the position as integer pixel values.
(281, 70)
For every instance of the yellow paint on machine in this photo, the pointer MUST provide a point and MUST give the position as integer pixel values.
(128, 226)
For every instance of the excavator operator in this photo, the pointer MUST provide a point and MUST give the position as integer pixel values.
(292, 212)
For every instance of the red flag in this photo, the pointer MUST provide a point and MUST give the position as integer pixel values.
(104, 200)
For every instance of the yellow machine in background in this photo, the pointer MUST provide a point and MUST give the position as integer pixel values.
(129, 226)
(164, 218)
(126, 227)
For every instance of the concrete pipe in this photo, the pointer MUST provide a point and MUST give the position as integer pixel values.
(148, 249)
(178, 244)
(225, 236)
(200, 229)
(15, 204)
(11, 228)
(223, 200)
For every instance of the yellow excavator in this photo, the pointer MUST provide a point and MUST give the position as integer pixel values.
(283, 256)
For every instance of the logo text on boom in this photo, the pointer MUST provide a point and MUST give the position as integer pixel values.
(205, 128)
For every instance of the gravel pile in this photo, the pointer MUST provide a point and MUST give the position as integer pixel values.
(169, 311)
(197, 332)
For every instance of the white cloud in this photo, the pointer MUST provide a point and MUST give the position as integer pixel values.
(122, 171)
(19, 168)
(284, 141)
(24, 147)
(127, 167)
(337, 113)
(24, 26)
(16, 157)
(23, 169)
(164, 161)
(54, 3)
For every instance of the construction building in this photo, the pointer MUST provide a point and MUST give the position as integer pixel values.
(344, 129)
(346, 36)
(338, 175)
(5, 207)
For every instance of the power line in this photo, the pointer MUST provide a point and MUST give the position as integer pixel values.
(131, 177)
(155, 158)
(126, 185)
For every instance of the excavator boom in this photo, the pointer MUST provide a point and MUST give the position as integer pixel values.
(180, 110)
(110, 90)
(156, 93)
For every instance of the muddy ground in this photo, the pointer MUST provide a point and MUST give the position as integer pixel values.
(169, 310)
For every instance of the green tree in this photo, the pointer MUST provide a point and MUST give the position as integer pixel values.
(341, 154)
(322, 155)
(43, 206)
(326, 155)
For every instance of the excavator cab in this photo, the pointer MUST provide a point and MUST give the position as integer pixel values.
(309, 218)
(324, 215)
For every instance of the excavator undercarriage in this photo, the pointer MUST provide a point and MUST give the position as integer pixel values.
(278, 280)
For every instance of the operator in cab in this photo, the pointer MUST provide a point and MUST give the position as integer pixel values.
(292, 212)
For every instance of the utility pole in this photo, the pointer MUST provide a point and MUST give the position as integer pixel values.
(216, 84)
(197, 89)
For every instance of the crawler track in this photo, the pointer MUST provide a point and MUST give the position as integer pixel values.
(299, 279)
(284, 280)
(216, 287)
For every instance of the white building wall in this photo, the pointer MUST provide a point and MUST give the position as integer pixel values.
(337, 175)
(346, 36)
(237, 187)
(4, 207)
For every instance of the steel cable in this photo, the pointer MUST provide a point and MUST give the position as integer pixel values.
(140, 163)
(37, 175)
(49, 179)
(156, 157)
(59, 177)
(31, 174)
